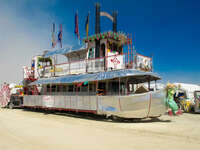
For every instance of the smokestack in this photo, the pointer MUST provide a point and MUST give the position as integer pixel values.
(97, 24)
(114, 21)
(97, 31)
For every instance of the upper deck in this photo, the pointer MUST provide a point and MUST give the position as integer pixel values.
(101, 52)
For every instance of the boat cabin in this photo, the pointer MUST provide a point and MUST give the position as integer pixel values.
(119, 82)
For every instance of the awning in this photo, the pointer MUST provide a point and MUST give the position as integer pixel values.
(65, 50)
(137, 77)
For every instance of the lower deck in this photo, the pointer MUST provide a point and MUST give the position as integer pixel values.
(133, 106)
(124, 93)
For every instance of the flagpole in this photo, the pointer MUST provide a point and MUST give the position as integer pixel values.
(53, 36)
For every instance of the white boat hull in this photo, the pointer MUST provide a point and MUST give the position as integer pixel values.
(149, 104)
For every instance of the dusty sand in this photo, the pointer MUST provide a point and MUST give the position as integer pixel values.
(27, 130)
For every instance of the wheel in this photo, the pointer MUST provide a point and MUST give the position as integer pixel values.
(10, 106)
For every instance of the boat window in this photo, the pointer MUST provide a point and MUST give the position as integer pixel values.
(102, 52)
(78, 89)
(58, 88)
(40, 65)
(101, 89)
(91, 53)
(53, 88)
(114, 87)
(122, 89)
(48, 88)
(70, 88)
(114, 47)
(131, 88)
(180, 94)
(64, 88)
(198, 95)
(141, 89)
(92, 87)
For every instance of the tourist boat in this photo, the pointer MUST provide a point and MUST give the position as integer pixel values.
(103, 76)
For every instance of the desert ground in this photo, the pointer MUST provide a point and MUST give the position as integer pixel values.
(29, 130)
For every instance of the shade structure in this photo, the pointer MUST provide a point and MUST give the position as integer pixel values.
(136, 77)
(64, 50)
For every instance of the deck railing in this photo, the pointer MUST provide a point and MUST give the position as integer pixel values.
(114, 62)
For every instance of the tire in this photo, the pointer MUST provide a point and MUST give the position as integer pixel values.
(11, 106)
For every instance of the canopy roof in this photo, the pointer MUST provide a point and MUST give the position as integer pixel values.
(65, 50)
(136, 77)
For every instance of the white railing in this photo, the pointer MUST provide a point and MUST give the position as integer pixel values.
(78, 67)
(62, 69)
(114, 62)
(96, 65)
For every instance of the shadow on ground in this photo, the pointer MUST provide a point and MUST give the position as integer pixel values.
(94, 117)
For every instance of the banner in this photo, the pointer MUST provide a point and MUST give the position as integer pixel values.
(4, 95)
(115, 62)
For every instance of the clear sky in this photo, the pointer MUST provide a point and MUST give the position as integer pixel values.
(167, 29)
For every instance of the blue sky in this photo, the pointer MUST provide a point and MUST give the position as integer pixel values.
(167, 29)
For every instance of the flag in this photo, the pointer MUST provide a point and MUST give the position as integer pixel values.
(53, 36)
(60, 36)
(87, 25)
(85, 83)
(76, 26)
(80, 84)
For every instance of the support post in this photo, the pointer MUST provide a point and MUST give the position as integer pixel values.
(155, 85)
(119, 87)
(127, 87)
(97, 96)
(50, 89)
(128, 50)
(88, 89)
(149, 84)
(96, 87)
(120, 107)
(45, 89)
(131, 51)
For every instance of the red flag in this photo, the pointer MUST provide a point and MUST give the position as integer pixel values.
(76, 26)
(80, 84)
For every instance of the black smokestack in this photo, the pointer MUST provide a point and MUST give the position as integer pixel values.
(114, 21)
(97, 24)
(97, 30)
